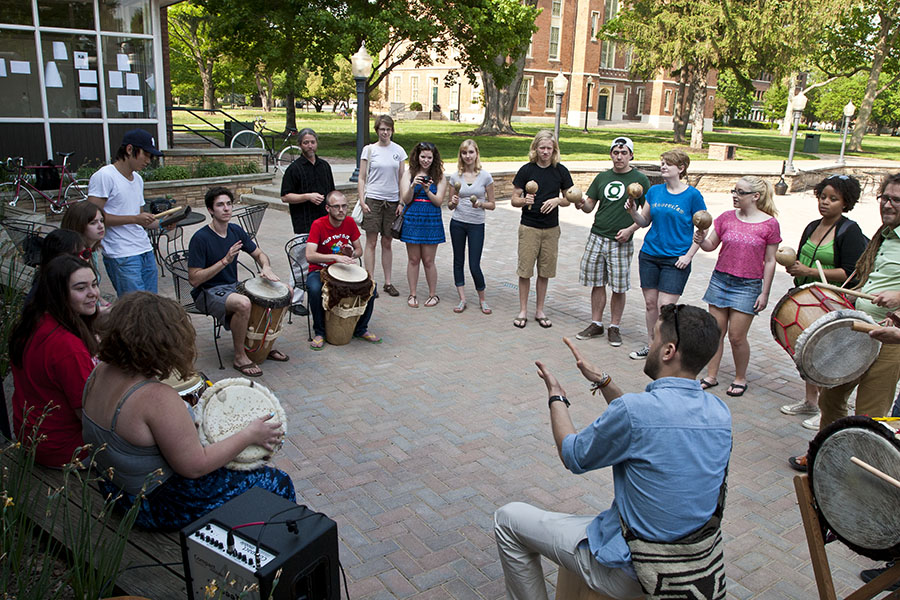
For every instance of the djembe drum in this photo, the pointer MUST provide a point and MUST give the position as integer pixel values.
(190, 388)
(815, 327)
(228, 407)
(346, 289)
(268, 300)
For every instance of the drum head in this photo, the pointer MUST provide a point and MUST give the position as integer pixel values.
(228, 407)
(830, 353)
(860, 508)
(186, 384)
(269, 294)
(347, 273)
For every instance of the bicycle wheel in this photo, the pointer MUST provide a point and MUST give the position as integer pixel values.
(23, 200)
(77, 191)
(287, 156)
(247, 139)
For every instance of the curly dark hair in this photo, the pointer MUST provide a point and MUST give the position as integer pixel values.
(148, 335)
(214, 193)
(52, 297)
(436, 172)
(845, 185)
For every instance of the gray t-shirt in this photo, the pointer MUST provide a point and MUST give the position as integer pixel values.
(465, 212)
(383, 171)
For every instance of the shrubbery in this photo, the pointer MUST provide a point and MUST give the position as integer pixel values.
(415, 106)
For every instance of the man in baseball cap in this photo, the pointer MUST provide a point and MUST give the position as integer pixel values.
(118, 190)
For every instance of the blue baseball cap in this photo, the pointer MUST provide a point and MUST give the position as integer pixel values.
(143, 140)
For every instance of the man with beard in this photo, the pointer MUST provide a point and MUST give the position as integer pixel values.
(668, 447)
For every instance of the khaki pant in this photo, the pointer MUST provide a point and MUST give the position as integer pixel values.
(874, 395)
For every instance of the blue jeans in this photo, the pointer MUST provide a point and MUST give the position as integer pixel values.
(459, 231)
(132, 273)
(314, 287)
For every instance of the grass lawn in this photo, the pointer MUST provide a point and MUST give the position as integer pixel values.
(337, 138)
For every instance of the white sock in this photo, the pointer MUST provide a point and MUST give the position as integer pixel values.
(600, 323)
(611, 326)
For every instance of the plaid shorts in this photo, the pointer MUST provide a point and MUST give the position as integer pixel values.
(606, 261)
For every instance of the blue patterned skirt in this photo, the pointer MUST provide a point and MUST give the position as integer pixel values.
(423, 224)
(180, 501)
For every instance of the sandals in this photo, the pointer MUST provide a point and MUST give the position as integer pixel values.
(412, 302)
(251, 369)
(459, 307)
(485, 308)
(368, 336)
(317, 343)
(798, 463)
(736, 390)
(520, 322)
(544, 322)
(705, 384)
(432, 301)
(278, 356)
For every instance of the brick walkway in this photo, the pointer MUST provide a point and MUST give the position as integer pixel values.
(411, 445)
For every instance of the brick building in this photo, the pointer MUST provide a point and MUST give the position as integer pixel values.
(600, 87)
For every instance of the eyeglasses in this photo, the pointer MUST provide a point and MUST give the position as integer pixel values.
(736, 192)
(338, 207)
(677, 334)
(894, 200)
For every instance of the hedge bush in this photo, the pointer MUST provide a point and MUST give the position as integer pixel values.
(415, 106)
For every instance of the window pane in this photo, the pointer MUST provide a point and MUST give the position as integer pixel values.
(20, 91)
(71, 76)
(130, 80)
(74, 14)
(128, 16)
(15, 12)
(556, 8)
(554, 42)
(522, 103)
(548, 101)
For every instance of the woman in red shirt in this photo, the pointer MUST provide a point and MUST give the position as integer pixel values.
(52, 350)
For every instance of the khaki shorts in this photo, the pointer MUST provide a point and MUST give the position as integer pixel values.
(380, 217)
(537, 245)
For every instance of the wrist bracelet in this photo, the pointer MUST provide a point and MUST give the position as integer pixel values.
(599, 385)
(562, 399)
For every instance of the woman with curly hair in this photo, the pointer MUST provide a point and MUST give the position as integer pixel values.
(52, 350)
(422, 189)
(152, 445)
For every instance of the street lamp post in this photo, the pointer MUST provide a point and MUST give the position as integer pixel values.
(559, 88)
(798, 105)
(232, 92)
(587, 103)
(848, 114)
(361, 68)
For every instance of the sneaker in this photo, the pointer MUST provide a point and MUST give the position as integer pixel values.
(593, 330)
(812, 422)
(801, 408)
(614, 337)
(870, 574)
(640, 354)
(299, 310)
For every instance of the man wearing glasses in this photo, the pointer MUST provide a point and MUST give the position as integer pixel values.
(668, 447)
(334, 239)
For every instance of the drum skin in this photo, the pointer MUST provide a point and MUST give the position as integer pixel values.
(861, 509)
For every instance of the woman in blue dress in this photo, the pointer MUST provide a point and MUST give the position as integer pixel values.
(422, 189)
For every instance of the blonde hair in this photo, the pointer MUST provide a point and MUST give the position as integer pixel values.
(766, 200)
(679, 158)
(469, 143)
(544, 135)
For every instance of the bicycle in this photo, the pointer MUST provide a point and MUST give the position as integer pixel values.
(288, 152)
(21, 188)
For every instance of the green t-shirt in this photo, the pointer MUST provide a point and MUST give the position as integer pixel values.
(608, 190)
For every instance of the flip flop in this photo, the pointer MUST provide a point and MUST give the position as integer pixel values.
(247, 370)
(412, 302)
(317, 343)
(278, 356)
(368, 336)
(739, 389)
(705, 384)
(520, 322)
(485, 308)
(432, 301)
(460, 307)
(544, 322)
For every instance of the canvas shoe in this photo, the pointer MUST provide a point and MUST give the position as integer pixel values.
(614, 337)
(593, 330)
(801, 408)
(640, 354)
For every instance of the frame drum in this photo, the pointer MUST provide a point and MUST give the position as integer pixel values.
(860, 508)
(269, 299)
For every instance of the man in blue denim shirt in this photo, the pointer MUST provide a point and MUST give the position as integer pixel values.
(668, 447)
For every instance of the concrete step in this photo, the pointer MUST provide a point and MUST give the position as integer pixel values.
(273, 203)
(268, 190)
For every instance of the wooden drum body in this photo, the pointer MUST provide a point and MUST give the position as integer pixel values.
(269, 300)
(859, 507)
(814, 326)
(190, 388)
(346, 290)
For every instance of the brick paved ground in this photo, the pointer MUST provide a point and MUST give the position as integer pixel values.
(411, 445)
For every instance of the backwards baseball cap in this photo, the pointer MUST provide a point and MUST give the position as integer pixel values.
(143, 140)
(622, 141)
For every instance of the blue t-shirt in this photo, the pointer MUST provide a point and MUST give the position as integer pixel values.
(207, 247)
(668, 447)
(671, 229)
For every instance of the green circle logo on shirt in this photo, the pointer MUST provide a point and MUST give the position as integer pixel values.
(614, 190)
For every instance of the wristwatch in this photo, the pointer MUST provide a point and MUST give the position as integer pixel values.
(562, 399)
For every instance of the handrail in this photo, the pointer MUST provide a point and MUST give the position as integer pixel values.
(199, 114)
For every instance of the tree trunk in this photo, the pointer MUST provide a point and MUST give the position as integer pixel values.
(865, 110)
(265, 87)
(698, 109)
(786, 123)
(682, 109)
(209, 86)
(500, 103)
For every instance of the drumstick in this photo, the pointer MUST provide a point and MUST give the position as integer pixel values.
(821, 271)
(166, 213)
(874, 471)
(837, 288)
(864, 327)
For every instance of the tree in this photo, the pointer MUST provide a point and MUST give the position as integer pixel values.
(736, 98)
(774, 100)
(190, 37)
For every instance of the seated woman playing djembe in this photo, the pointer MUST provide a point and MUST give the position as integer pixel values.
(147, 428)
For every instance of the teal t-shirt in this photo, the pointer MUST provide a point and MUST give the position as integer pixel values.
(608, 189)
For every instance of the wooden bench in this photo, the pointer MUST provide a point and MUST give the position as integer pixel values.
(146, 557)
(721, 151)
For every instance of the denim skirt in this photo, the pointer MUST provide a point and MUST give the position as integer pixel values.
(728, 291)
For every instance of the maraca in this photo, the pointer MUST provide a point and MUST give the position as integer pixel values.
(702, 220)
(635, 190)
(785, 256)
(573, 195)
(531, 187)
(474, 200)
(456, 185)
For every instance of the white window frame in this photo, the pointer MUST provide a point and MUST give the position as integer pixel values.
(590, 95)
(607, 54)
(595, 25)
(625, 94)
(551, 54)
(524, 90)
(414, 89)
(610, 9)
(549, 96)
(668, 99)
(640, 102)
(556, 8)
(397, 88)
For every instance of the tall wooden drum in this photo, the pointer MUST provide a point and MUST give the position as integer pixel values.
(269, 299)
(346, 289)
